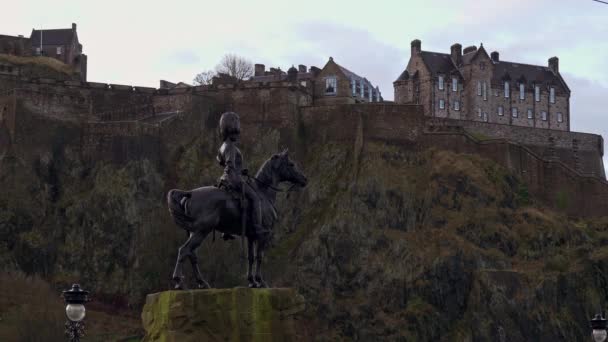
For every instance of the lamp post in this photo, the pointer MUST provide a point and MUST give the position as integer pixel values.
(75, 312)
(598, 326)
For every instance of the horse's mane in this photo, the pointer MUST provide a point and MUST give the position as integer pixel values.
(264, 174)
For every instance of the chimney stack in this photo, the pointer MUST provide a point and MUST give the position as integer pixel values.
(554, 64)
(259, 70)
(416, 46)
(495, 57)
(73, 27)
(301, 68)
(456, 53)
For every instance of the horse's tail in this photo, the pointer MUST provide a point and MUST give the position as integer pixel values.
(178, 202)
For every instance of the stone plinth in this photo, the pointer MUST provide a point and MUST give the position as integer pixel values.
(237, 314)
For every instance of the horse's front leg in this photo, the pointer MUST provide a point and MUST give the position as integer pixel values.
(259, 256)
(182, 253)
(250, 249)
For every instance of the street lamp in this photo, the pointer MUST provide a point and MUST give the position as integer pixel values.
(75, 312)
(598, 324)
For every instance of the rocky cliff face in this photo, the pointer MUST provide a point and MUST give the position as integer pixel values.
(386, 243)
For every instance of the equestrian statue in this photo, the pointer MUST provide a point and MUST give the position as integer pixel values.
(238, 205)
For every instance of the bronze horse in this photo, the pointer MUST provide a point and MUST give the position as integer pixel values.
(203, 210)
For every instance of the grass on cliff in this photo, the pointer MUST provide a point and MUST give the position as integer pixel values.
(46, 62)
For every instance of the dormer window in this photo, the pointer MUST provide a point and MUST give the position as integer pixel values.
(552, 95)
(537, 93)
(441, 85)
(454, 84)
(507, 91)
(522, 91)
(330, 86)
(354, 86)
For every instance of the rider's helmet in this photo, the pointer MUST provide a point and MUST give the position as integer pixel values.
(230, 125)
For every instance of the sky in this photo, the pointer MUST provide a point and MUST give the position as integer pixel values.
(141, 42)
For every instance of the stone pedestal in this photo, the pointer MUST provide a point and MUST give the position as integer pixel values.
(237, 314)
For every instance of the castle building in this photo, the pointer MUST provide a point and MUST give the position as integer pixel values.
(333, 84)
(61, 44)
(472, 85)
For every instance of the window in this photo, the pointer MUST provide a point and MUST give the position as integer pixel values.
(496, 92)
(552, 95)
(479, 112)
(456, 105)
(330, 86)
(514, 112)
(9, 69)
(522, 91)
(59, 50)
(454, 84)
(362, 89)
(478, 88)
(354, 86)
(560, 118)
(537, 93)
(303, 83)
(507, 91)
(371, 94)
(499, 111)
(482, 65)
(485, 117)
(441, 104)
(441, 85)
(484, 91)
(37, 51)
(543, 115)
(530, 114)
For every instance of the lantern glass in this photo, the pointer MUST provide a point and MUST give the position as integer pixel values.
(599, 335)
(75, 312)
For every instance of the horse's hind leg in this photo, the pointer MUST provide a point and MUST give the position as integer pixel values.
(178, 276)
(195, 242)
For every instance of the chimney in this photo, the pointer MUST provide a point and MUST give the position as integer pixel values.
(495, 57)
(301, 68)
(456, 52)
(469, 49)
(73, 27)
(259, 70)
(554, 64)
(416, 46)
(314, 70)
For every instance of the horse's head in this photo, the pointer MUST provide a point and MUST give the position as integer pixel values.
(287, 170)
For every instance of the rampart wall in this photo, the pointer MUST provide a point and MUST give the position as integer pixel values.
(554, 181)
(582, 152)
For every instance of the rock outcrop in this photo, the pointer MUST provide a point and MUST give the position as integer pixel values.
(237, 314)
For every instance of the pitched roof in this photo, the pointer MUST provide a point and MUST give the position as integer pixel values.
(529, 74)
(352, 75)
(52, 37)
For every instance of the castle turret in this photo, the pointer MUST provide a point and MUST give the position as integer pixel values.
(292, 74)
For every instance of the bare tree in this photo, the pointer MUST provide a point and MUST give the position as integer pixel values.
(204, 78)
(235, 66)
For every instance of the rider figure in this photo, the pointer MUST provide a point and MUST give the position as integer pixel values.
(230, 158)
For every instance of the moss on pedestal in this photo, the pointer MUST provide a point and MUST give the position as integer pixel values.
(238, 314)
